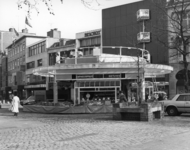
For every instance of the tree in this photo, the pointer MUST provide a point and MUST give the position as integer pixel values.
(33, 5)
(176, 15)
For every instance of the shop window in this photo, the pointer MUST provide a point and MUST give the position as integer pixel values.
(91, 83)
(101, 83)
(81, 84)
(87, 84)
(117, 83)
(96, 83)
(112, 83)
(107, 83)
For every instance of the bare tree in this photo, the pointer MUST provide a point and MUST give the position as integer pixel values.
(175, 26)
(32, 5)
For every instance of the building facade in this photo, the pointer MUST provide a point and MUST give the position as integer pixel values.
(6, 38)
(176, 78)
(37, 56)
(120, 28)
(17, 63)
(62, 52)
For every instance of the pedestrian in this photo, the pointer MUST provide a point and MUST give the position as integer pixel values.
(122, 97)
(15, 104)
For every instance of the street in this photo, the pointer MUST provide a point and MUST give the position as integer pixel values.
(30, 131)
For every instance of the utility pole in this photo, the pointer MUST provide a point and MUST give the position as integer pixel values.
(138, 80)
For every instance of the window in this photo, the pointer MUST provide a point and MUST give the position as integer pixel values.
(187, 98)
(181, 98)
(36, 49)
(20, 60)
(43, 47)
(20, 48)
(40, 48)
(23, 46)
(186, 21)
(30, 65)
(39, 62)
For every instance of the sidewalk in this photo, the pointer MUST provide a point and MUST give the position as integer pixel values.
(91, 132)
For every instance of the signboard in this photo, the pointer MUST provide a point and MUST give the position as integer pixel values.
(96, 76)
(143, 37)
(143, 14)
(94, 33)
(36, 86)
(84, 76)
(112, 76)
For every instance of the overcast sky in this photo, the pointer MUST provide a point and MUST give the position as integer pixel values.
(70, 17)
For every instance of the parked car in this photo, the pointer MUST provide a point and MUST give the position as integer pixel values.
(179, 104)
(28, 101)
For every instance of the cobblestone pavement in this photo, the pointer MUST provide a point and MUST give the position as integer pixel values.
(82, 132)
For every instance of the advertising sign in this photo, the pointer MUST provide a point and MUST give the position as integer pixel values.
(143, 37)
(91, 76)
(94, 33)
(143, 14)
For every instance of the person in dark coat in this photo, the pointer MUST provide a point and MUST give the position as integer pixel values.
(122, 97)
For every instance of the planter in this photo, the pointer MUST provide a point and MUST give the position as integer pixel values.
(144, 112)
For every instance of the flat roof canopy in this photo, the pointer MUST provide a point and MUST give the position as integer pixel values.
(104, 68)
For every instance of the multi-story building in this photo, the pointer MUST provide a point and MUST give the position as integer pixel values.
(120, 28)
(5, 88)
(6, 38)
(17, 62)
(59, 53)
(176, 78)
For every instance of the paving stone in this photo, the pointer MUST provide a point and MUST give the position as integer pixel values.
(82, 132)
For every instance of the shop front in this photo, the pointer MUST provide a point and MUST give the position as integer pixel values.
(95, 86)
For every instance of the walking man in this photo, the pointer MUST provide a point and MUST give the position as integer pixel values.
(15, 104)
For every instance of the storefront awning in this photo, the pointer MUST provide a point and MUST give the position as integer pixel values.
(104, 68)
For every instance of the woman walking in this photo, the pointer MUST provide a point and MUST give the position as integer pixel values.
(15, 104)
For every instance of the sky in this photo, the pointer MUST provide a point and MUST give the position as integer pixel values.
(70, 17)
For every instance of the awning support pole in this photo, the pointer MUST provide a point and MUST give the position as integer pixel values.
(55, 90)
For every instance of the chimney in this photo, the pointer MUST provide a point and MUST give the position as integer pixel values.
(54, 33)
(11, 29)
(25, 30)
(62, 42)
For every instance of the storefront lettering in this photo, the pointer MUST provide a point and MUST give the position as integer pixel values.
(112, 76)
(98, 76)
(84, 76)
(92, 33)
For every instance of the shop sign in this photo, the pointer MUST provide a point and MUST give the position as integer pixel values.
(36, 86)
(143, 37)
(92, 33)
(143, 14)
(112, 76)
(84, 76)
(90, 76)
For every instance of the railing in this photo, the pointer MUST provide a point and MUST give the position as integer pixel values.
(106, 58)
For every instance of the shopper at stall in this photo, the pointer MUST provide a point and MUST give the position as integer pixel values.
(122, 97)
(15, 104)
